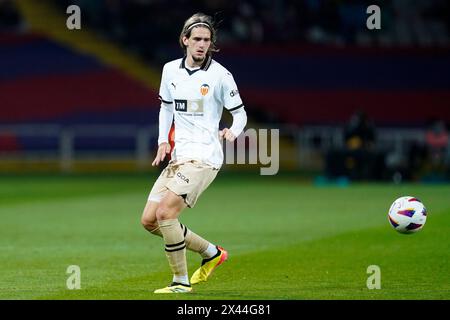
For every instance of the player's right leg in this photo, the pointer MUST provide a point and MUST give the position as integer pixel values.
(193, 178)
(148, 219)
(167, 214)
(212, 255)
(193, 241)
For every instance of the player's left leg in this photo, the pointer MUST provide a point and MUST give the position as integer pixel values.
(208, 265)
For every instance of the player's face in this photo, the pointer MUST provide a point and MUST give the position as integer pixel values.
(198, 43)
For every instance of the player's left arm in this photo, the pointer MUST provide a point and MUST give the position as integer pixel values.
(239, 122)
(233, 103)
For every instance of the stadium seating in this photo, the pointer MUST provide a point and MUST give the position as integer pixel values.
(326, 85)
(43, 81)
(297, 85)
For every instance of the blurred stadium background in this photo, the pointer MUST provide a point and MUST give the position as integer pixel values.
(351, 104)
(87, 100)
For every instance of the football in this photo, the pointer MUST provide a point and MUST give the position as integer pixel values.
(407, 214)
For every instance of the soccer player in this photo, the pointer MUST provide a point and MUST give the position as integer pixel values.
(193, 92)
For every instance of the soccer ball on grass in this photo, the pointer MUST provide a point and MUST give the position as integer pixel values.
(407, 215)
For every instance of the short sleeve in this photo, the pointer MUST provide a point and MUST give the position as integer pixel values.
(164, 92)
(230, 93)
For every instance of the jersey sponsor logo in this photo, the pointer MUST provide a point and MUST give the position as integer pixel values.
(204, 89)
(234, 92)
(183, 177)
(195, 107)
(189, 107)
(181, 105)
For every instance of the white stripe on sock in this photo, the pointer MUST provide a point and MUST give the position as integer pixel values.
(210, 252)
(181, 279)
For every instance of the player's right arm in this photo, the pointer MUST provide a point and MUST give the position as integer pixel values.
(163, 150)
(165, 119)
(165, 122)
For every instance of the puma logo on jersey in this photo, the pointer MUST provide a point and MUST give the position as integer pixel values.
(174, 86)
(183, 177)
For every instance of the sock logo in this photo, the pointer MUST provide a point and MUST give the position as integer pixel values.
(183, 177)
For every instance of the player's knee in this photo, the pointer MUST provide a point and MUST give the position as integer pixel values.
(165, 212)
(149, 224)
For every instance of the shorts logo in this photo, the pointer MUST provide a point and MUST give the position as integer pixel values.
(204, 89)
(183, 177)
(234, 93)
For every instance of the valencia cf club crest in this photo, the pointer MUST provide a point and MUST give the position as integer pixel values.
(204, 89)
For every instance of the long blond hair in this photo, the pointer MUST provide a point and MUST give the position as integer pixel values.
(199, 20)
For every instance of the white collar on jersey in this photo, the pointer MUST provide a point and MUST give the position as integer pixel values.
(205, 65)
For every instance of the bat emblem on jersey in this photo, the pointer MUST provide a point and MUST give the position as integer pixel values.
(204, 89)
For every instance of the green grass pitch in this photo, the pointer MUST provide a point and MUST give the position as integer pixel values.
(287, 239)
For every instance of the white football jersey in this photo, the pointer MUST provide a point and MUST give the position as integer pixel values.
(198, 98)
